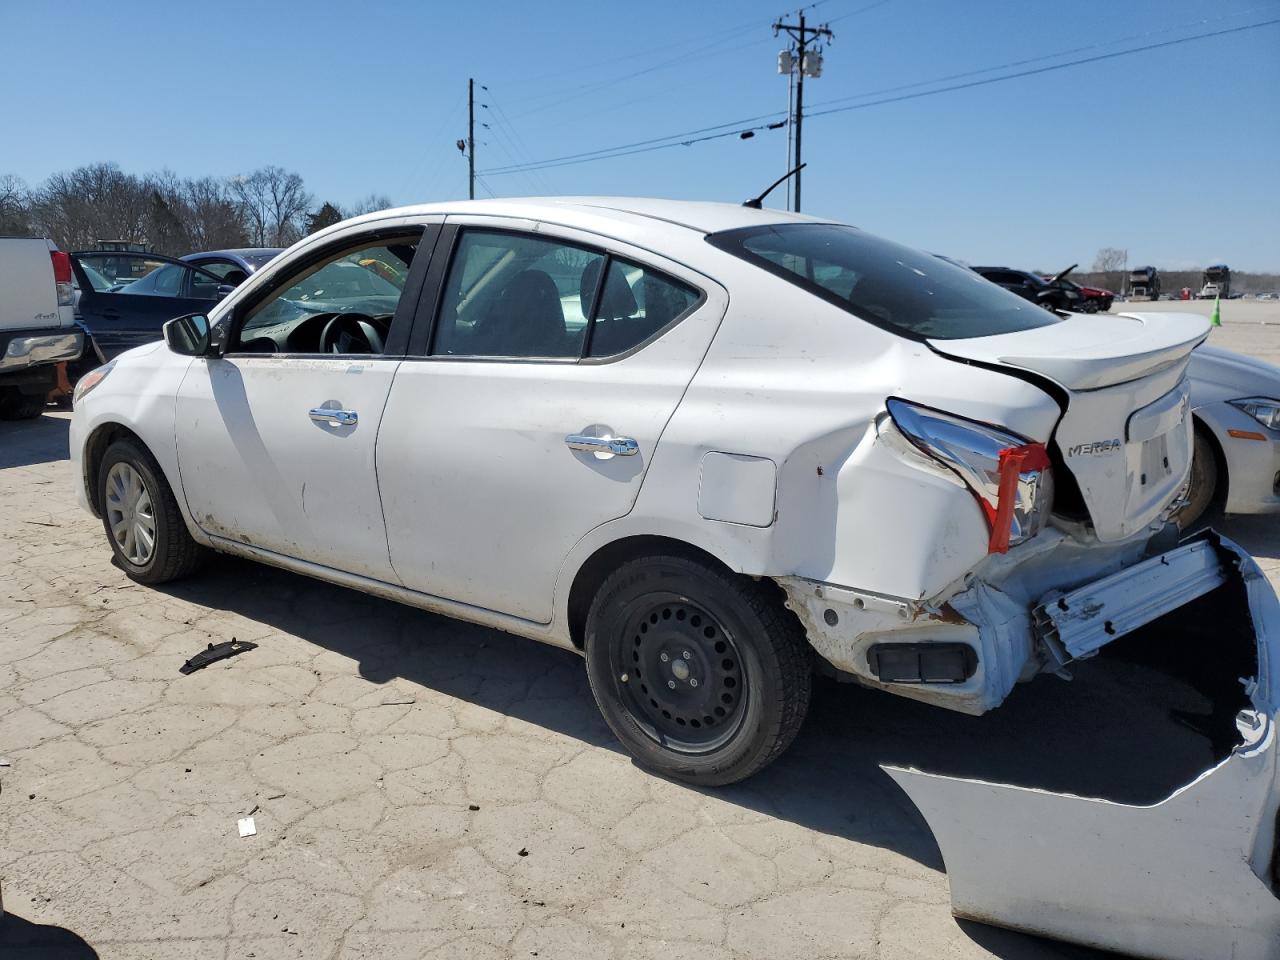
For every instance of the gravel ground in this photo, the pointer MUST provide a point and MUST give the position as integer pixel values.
(420, 787)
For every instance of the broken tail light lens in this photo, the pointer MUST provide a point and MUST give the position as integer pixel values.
(1010, 478)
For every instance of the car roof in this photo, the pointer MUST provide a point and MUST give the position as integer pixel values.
(698, 215)
(237, 252)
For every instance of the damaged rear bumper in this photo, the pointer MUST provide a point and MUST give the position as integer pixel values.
(1191, 876)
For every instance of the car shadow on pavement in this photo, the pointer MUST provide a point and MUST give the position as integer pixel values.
(1107, 733)
(20, 939)
(24, 443)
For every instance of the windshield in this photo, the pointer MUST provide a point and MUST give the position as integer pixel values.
(892, 286)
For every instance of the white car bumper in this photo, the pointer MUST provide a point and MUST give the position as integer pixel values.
(1194, 875)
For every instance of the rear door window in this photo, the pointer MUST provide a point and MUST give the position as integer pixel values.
(523, 296)
(908, 292)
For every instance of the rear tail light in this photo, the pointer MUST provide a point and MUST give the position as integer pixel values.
(1010, 478)
(62, 277)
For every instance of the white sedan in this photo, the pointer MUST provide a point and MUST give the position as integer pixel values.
(1235, 403)
(710, 447)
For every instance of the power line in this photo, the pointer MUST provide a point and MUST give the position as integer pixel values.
(678, 137)
(1049, 69)
(1039, 59)
(692, 136)
(854, 13)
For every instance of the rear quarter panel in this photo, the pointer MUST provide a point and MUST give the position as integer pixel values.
(802, 383)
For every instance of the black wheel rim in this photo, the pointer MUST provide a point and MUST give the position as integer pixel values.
(679, 674)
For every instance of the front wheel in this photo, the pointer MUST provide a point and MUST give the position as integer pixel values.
(1204, 483)
(144, 525)
(703, 675)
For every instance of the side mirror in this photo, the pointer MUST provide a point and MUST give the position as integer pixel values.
(188, 336)
(224, 289)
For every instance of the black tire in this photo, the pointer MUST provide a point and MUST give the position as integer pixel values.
(174, 554)
(1204, 484)
(16, 405)
(735, 634)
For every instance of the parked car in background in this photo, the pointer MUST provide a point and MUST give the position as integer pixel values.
(709, 446)
(1050, 294)
(1235, 405)
(37, 323)
(233, 266)
(1091, 299)
(116, 315)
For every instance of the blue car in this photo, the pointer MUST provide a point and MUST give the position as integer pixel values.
(124, 298)
(233, 266)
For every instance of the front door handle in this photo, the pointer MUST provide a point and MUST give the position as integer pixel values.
(618, 446)
(343, 418)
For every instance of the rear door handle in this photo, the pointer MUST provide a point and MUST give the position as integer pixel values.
(618, 446)
(344, 418)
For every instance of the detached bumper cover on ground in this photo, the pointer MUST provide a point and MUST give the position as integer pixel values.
(1195, 875)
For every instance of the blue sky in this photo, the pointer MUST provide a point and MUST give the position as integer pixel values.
(1173, 154)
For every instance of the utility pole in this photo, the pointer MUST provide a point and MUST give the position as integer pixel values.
(471, 137)
(807, 63)
(467, 145)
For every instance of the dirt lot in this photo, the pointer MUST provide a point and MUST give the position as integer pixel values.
(421, 787)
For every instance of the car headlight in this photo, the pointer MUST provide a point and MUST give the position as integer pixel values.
(1263, 409)
(1010, 478)
(91, 380)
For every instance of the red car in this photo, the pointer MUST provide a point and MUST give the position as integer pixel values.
(1092, 299)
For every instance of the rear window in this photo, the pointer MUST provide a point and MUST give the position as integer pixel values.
(902, 290)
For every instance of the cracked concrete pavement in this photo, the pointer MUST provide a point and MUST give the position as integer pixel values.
(421, 787)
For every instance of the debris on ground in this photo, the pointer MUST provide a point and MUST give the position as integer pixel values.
(247, 827)
(215, 652)
(524, 852)
(473, 807)
(403, 702)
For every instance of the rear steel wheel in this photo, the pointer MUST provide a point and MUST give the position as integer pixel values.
(702, 674)
(680, 674)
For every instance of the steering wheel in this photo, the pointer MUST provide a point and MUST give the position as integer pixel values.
(352, 333)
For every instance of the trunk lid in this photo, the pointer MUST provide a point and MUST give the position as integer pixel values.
(1125, 436)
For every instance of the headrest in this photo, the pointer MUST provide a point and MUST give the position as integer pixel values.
(617, 299)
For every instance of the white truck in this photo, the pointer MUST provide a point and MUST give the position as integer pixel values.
(37, 323)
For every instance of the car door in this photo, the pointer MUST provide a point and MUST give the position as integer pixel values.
(276, 434)
(533, 411)
(126, 298)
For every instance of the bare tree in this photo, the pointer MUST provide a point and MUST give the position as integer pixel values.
(213, 218)
(369, 204)
(15, 203)
(274, 202)
(77, 207)
(1111, 263)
